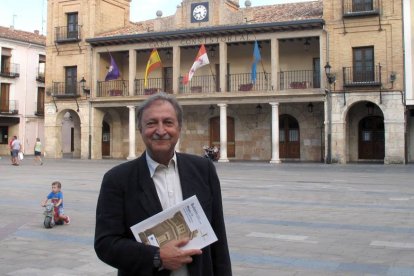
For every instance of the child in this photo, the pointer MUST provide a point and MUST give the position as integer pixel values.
(38, 151)
(56, 197)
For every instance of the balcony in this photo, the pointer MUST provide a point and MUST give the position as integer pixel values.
(66, 90)
(9, 107)
(299, 79)
(40, 76)
(200, 84)
(243, 82)
(112, 88)
(362, 77)
(154, 85)
(353, 8)
(10, 70)
(67, 34)
(40, 109)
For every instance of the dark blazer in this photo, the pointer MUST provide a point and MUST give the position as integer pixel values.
(128, 196)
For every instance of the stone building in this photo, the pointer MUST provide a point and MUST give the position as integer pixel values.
(328, 87)
(22, 92)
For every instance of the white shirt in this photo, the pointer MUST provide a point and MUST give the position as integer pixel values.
(168, 186)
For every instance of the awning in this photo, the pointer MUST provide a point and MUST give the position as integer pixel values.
(8, 121)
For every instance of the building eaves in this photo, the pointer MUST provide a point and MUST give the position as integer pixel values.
(245, 29)
(22, 36)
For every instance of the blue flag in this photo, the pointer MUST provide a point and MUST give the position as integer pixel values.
(113, 71)
(256, 59)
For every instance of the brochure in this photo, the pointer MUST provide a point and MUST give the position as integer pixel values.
(186, 219)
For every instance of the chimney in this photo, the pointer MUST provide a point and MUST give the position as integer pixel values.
(36, 32)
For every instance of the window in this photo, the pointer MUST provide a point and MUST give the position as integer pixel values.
(362, 5)
(5, 60)
(363, 64)
(72, 26)
(40, 101)
(4, 132)
(71, 73)
(41, 68)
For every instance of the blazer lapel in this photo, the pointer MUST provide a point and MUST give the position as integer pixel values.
(185, 178)
(149, 197)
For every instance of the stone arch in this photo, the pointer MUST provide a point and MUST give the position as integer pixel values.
(68, 134)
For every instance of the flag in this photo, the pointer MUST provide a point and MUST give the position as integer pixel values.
(256, 59)
(154, 62)
(200, 61)
(113, 71)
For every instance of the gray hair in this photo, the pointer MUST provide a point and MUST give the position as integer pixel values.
(160, 96)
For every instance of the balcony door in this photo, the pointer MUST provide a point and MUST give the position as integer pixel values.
(363, 58)
(168, 78)
(71, 76)
(362, 5)
(289, 138)
(4, 97)
(72, 27)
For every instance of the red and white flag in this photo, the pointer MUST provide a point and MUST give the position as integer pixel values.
(200, 61)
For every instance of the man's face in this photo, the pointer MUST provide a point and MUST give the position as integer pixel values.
(160, 130)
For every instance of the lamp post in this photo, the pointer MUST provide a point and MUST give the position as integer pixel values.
(87, 93)
(331, 79)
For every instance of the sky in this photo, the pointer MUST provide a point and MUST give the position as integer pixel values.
(30, 15)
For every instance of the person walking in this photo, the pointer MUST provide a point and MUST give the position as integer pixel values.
(16, 148)
(38, 152)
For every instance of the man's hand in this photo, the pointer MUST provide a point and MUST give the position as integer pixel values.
(173, 257)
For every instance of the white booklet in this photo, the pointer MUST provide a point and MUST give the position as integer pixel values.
(186, 219)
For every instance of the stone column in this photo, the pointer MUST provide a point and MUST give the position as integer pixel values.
(223, 133)
(223, 67)
(132, 71)
(131, 132)
(176, 69)
(274, 53)
(275, 133)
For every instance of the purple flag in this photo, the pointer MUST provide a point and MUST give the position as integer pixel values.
(113, 71)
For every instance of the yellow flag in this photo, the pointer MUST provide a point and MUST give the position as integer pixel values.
(154, 62)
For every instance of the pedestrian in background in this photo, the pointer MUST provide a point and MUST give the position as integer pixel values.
(16, 146)
(38, 151)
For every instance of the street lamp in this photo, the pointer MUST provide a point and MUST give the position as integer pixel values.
(331, 79)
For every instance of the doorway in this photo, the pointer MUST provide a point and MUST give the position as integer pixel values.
(289, 137)
(106, 140)
(215, 135)
(371, 142)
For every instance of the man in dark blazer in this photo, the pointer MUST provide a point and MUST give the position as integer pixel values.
(137, 190)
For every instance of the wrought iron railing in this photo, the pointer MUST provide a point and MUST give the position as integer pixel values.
(68, 33)
(359, 8)
(112, 88)
(154, 85)
(299, 79)
(63, 89)
(200, 84)
(362, 76)
(9, 107)
(11, 70)
(243, 82)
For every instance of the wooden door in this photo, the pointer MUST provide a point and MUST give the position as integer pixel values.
(71, 80)
(215, 135)
(4, 100)
(371, 144)
(106, 139)
(289, 137)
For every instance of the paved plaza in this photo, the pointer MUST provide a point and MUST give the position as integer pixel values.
(287, 219)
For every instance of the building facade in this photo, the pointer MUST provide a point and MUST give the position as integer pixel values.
(315, 81)
(22, 94)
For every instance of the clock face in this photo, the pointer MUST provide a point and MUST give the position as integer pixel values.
(199, 12)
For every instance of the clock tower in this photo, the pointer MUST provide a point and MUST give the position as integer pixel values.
(207, 12)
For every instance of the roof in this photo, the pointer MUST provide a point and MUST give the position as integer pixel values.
(22, 36)
(290, 12)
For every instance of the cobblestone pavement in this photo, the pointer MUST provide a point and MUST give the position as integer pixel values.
(287, 219)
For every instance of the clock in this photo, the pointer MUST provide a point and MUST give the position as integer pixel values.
(199, 12)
